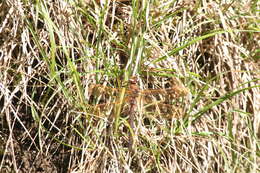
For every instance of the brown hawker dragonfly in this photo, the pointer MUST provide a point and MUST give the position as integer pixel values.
(154, 101)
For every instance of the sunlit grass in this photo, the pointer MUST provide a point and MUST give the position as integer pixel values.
(53, 54)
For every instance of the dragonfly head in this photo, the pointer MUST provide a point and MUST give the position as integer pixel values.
(133, 80)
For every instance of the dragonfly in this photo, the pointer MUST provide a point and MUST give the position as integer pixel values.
(154, 101)
(136, 101)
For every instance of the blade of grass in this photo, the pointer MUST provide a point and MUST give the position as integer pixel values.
(219, 101)
(188, 43)
(118, 108)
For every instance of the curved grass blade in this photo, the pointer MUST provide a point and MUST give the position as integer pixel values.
(219, 101)
(195, 40)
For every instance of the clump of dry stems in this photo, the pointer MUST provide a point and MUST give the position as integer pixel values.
(66, 104)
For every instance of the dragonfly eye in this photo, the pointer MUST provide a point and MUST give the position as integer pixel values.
(133, 80)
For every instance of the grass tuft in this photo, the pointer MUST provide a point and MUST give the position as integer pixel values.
(68, 102)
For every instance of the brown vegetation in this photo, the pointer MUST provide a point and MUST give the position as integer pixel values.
(61, 60)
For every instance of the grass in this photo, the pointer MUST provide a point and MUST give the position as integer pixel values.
(52, 53)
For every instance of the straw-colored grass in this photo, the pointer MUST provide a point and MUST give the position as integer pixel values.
(57, 59)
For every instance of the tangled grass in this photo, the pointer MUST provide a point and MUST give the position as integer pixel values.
(51, 52)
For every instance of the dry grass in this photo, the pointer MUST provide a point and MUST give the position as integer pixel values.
(52, 52)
